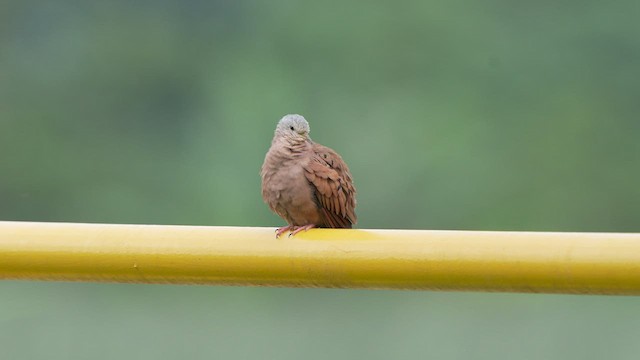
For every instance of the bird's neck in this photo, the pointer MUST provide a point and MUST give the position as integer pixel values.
(292, 147)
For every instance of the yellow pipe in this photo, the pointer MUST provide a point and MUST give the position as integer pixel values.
(580, 263)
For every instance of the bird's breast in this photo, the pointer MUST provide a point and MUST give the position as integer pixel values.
(285, 181)
(286, 190)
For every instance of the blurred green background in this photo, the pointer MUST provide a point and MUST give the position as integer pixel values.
(495, 115)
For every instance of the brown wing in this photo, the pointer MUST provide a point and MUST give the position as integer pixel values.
(331, 180)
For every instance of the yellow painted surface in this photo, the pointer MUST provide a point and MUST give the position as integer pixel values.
(584, 263)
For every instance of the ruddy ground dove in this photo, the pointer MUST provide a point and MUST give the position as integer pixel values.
(305, 183)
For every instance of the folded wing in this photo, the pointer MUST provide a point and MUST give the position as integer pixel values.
(330, 178)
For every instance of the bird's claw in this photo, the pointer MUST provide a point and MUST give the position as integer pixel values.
(282, 230)
(298, 229)
(293, 229)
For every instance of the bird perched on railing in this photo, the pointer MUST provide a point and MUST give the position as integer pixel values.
(305, 183)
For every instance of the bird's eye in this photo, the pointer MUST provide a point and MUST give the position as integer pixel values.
(292, 128)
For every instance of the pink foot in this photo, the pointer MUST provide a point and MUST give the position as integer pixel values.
(280, 231)
(298, 229)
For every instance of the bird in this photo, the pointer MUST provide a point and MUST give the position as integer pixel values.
(305, 183)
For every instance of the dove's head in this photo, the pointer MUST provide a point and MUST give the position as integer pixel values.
(293, 127)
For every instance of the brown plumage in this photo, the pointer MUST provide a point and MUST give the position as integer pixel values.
(305, 183)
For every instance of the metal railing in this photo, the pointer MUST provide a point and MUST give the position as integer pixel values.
(579, 263)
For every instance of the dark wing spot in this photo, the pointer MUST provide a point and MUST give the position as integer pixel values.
(315, 195)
